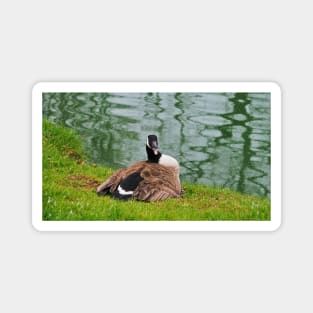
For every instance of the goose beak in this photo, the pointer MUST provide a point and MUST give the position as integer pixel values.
(155, 147)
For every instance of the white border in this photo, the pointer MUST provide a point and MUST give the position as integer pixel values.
(269, 87)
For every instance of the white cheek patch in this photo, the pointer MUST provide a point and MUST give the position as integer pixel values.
(148, 143)
(123, 192)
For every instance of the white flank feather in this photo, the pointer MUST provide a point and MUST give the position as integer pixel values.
(123, 192)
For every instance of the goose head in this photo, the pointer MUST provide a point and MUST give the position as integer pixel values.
(152, 149)
(155, 156)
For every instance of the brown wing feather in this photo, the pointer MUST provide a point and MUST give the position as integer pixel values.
(159, 183)
(152, 193)
(111, 184)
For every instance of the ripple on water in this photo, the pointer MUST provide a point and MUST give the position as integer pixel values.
(260, 137)
(127, 113)
(128, 99)
(215, 103)
(210, 120)
(196, 155)
(239, 117)
(259, 124)
(211, 132)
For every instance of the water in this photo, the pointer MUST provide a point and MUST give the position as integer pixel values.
(219, 139)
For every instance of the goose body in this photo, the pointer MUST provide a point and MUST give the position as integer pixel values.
(152, 180)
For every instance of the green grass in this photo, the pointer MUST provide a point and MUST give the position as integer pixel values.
(70, 181)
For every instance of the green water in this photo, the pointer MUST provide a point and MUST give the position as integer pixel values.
(219, 139)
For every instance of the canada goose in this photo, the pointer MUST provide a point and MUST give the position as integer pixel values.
(152, 180)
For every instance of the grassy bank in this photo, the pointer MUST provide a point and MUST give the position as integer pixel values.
(69, 184)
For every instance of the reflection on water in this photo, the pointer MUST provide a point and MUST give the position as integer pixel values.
(220, 139)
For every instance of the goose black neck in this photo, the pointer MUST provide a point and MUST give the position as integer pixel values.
(151, 156)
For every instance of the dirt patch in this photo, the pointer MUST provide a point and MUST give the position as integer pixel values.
(82, 182)
(75, 156)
